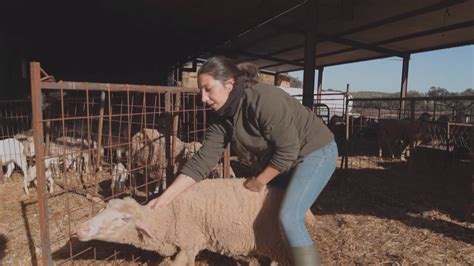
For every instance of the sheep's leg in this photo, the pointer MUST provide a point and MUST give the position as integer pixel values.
(186, 257)
(390, 146)
(55, 170)
(405, 152)
(25, 184)
(10, 168)
(86, 163)
(181, 259)
(51, 184)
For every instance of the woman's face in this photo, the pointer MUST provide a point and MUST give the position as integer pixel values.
(214, 92)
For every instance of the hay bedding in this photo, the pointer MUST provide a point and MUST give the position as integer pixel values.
(363, 217)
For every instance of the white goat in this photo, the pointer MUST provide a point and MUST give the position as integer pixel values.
(28, 144)
(119, 175)
(11, 153)
(32, 177)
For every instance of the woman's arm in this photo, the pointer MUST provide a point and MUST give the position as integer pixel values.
(256, 184)
(181, 183)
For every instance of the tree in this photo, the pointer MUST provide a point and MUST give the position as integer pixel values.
(438, 92)
(467, 92)
(414, 94)
(295, 82)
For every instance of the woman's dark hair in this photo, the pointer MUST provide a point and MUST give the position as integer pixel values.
(222, 69)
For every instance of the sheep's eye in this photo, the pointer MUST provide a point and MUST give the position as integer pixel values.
(126, 219)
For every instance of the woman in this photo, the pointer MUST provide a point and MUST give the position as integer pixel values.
(271, 130)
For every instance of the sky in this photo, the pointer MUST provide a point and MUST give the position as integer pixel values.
(452, 69)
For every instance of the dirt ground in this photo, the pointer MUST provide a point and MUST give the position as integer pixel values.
(378, 214)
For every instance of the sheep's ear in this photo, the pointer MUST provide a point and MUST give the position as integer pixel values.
(113, 203)
(151, 134)
(143, 229)
(129, 201)
(126, 217)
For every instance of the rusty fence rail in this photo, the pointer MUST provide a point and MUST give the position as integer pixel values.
(330, 103)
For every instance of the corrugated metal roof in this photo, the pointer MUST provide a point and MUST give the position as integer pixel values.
(352, 31)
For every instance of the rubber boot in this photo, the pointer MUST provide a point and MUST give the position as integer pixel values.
(306, 256)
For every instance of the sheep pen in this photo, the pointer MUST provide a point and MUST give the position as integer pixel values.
(379, 214)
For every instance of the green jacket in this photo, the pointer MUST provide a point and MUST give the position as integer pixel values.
(270, 127)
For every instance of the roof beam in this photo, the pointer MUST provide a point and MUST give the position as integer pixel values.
(375, 24)
(360, 45)
(270, 20)
(457, 26)
(407, 37)
(443, 46)
(398, 39)
(271, 58)
(278, 30)
(290, 70)
(336, 39)
(410, 14)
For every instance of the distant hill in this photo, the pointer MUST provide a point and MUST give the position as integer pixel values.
(433, 92)
(374, 94)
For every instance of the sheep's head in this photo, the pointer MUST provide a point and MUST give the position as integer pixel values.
(137, 142)
(115, 223)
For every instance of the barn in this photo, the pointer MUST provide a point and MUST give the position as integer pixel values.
(98, 94)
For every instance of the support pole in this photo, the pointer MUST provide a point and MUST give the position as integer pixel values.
(320, 89)
(99, 134)
(345, 158)
(226, 162)
(310, 54)
(36, 99)
(404, 85)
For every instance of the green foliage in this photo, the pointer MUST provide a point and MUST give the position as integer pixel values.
(456, 105)
(295, 82)
(467, 92)
(438, 92)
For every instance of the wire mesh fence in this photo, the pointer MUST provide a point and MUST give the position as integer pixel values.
(430, 139)
(96, 142)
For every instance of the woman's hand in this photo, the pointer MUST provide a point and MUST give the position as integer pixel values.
(157, 203)
(181, 183)
(254, 185)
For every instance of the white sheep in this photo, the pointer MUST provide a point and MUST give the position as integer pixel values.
(11, 153)
(219, 215)
(187, 152)
(149, 148)
(77, 156)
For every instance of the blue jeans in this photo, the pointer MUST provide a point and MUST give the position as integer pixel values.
(306, 183)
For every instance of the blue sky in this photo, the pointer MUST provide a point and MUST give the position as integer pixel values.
(452, 69)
